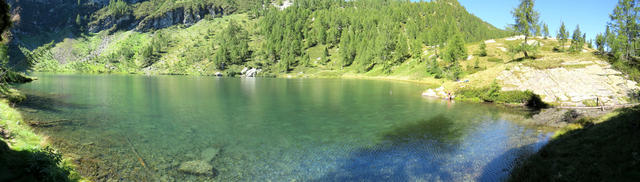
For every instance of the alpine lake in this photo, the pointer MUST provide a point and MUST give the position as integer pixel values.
(192, 128)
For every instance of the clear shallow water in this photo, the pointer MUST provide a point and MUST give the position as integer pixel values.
(274, 129)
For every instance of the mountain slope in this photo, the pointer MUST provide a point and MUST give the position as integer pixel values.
(362, 36)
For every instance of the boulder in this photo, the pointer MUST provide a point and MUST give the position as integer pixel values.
(442, 94)
(252, 72)
(218, 74)
(430, 93)
(209, 153)
(244, 70)
(196, 167)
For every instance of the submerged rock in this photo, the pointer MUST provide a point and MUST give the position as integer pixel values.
(210, 153)
(196, 167)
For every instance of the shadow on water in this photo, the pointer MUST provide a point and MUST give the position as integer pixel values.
(413, 151)
(500, 167)
(49, 103)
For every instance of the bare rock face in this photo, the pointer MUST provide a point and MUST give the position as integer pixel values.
(175, 16)
(576, 83)
(196, 167)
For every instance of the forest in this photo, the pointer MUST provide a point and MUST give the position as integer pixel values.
(353, 35)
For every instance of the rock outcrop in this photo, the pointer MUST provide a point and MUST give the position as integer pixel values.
(578, 83)
(174, 16)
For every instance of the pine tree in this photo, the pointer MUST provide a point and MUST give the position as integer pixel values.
(545, 31)
(455, 49)
(325, 55)
(562, 36)
(482, 52)
(526, 23)
(626, 28)
(600, 43)
(234, 46)
(576, 40)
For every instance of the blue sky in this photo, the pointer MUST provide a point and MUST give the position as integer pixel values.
(591, 15)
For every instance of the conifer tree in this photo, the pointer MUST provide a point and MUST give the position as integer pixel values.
(526, 23)
(483, 49)
(545, 31)
(562, 36)
(576, 40)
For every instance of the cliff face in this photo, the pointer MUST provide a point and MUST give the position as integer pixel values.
(173, 16)
(39, 16)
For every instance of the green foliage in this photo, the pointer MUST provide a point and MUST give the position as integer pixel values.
(361, 36)
(118, 8)
(526, 23)
(32, 165)
(4, 55)
(455, 49)
(493, 93)
(577, 41)
(325, 55)
(562, 36)
(530, 50)
(368, 33)
(625, 40)
(545, 30)
(40, 57)
(433, 68)
(233, 48)
(482, 52)
(600, 43)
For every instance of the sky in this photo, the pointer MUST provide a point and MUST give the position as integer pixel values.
(591, 15)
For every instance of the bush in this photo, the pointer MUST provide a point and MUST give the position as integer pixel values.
(32, 165)
(493, 93)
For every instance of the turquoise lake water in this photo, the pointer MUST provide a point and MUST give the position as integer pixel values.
(274, 129)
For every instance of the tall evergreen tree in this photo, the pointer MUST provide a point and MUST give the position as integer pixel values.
(600, 43)
(325, 55)
(576, 40)
(526, 22)
(545, 30)
(482, 51)
(562, 36)
(625, 23)
(455, 49)
(234, 46)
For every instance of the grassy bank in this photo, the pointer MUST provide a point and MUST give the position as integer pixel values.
(25, 156)
(608, 150)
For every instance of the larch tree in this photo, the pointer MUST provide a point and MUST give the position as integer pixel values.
(625, 25)
(526, 23)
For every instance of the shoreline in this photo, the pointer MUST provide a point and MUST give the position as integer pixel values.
(558, 130)
(20, 137)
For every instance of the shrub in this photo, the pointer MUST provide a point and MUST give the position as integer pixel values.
(493, 93)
